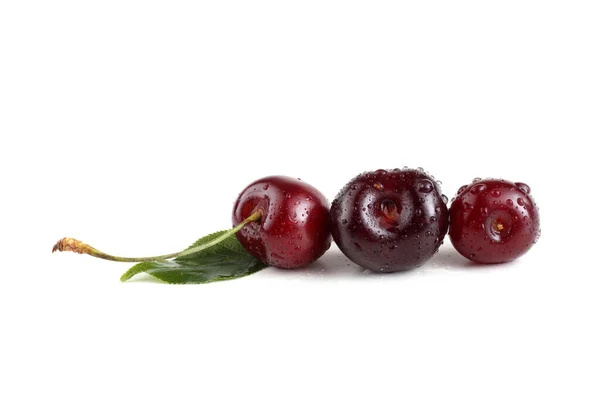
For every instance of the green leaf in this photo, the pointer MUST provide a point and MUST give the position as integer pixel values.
(224, 260)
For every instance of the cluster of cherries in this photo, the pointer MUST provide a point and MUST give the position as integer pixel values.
(386, 220)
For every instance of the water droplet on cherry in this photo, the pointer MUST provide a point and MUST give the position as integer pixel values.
(524, 187)
(424, 186)
(480, 187)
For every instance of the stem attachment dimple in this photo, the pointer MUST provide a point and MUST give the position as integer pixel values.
(77, 246)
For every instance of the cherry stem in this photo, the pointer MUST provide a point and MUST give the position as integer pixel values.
(76, 246)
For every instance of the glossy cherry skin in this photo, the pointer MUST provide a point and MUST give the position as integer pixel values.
(294, 229)
(493, 221)
(389, 220)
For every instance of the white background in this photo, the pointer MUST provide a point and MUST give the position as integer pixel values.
(134, 125)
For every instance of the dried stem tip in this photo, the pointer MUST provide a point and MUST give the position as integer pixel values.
(74, 245)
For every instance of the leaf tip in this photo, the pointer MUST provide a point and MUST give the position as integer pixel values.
(128, 275)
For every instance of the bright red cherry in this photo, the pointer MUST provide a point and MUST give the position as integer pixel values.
(494, 221)
(390, 220)
(294, 229)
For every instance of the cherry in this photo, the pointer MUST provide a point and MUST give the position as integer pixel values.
(293, 229)
(390, 220)
(493, 221)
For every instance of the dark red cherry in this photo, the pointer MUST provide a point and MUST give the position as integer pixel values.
(390, 220)
(294, 229)
(494, 221)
